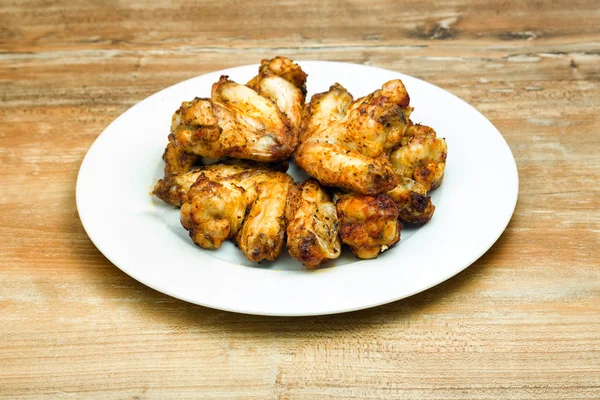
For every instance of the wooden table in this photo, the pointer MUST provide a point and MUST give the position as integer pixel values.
(523, 322)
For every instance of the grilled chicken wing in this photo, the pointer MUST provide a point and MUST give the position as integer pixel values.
(177, 160)
(325, 109)
(263, 232)
(368, 224)
(236, 122)
(421, 156)
(173, 189)
(213, 212)
(248, 207)
(335, 165)
(312, 231)
(376, 122)
(414, 206)
(284, 83)
(351, 152)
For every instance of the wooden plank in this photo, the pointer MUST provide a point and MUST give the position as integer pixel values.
(35, 25)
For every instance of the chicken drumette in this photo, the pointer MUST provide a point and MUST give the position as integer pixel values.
(368, 224)
(421, 156)
(414, 206)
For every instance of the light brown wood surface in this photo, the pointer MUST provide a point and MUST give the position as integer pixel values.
(523, 322)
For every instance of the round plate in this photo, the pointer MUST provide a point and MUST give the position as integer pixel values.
(143, 236)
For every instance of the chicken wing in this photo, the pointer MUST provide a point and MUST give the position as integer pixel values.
(421, 156)
(284, 83)
(368, 224)
(213, 212)
(173, 189)
(374, 123)
(312, 231)
(353, 149)
(414, 206)
(325, 109)
(248, 207)
(335, 165)
(236, 122)
(263, 232)
(177, 160)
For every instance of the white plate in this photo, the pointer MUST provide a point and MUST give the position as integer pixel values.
(143, 236)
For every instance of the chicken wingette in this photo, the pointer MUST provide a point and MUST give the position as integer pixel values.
(259, 121)
(312, 230)
(325, 109)
(236, 122)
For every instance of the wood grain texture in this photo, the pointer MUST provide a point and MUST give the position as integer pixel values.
(523, 322)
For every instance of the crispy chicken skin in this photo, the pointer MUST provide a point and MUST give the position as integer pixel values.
(368, 224)
(421, 156)
(236, 122)
(414, 206)
(177, 160)
(312, 231)
(173, 189)
(283, 82)
(351, 152)
(248, 207)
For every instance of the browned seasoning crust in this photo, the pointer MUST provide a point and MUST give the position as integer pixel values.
(414, 205)
(177, 160)
(173, 189)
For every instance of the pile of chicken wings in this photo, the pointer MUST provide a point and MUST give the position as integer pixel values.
(371, 167)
